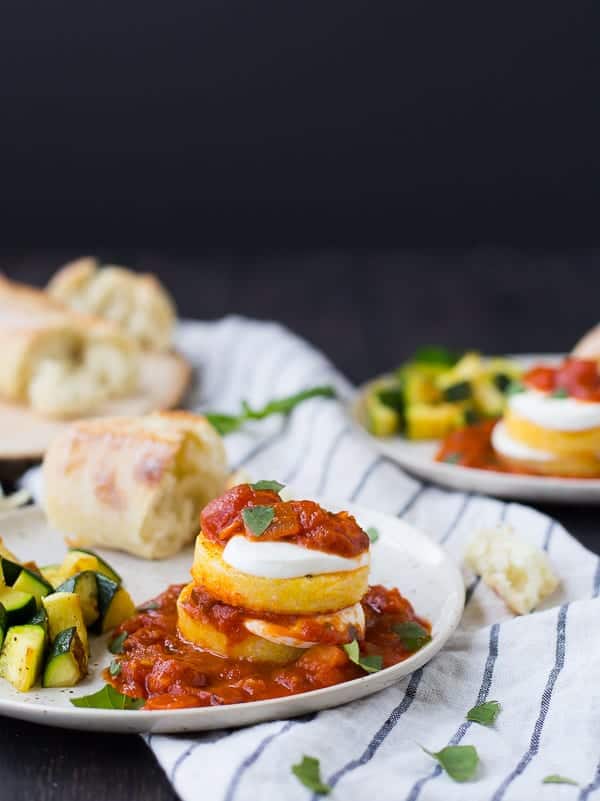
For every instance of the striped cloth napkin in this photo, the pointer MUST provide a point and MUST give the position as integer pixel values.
(542, 668)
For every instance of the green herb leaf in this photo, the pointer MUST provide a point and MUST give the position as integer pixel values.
(227, 423)
(485, 713)
(560, 392)
(275, 486)
(224, 423)
(452, 458)
(373, 534)
(554, 778)
(412, 635)
(115, 646)
(149, 607)
(258, 518)
(459, 761)
(515, 387)
(371, 664)
(435, 354)
(309, 773)
(114, 668)
(108, 698)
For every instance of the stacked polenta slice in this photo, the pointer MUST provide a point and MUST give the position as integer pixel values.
(45, 614)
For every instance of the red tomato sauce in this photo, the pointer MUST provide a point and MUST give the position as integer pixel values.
(576, 378)
(471, 447)
(170, 673)
(304, 523)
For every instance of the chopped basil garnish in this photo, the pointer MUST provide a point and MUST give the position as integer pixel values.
(485, 713)
(514, 388)
(371, 664)
(459, 761)
(275, 486)
(554, 778)
(258, 518)
(373, 534)
(560, 392)
(149, 607)
(309, 773)
(412, 635)
(108, 698)
(115, 646)
(226, 423)
(435, 354)
(114, 668)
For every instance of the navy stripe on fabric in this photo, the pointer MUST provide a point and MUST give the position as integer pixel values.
(373, 466)
(380, 735)
(457, 518)
(596, 586)
(591, 787)
(255, 754)
(421, 489)
(548, 536)
(482, 695)
(534, 744)
(208, 739)
(335, 443)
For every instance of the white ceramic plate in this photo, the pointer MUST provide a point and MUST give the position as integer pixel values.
(419, 458)
(402, 557)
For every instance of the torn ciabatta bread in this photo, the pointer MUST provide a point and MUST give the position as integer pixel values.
(137, 302)
(520, 573)
(57, 362)
(134, 484)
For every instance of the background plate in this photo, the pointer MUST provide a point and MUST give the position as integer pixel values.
(418, 458)
(402, 557)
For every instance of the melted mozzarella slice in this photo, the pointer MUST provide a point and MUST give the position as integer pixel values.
(283, 560)
(349, 622)
(558, 414)
(507, 446)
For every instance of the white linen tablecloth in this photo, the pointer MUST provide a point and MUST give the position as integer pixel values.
(542, 667)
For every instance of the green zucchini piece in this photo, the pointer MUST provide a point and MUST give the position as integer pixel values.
(34, 584)
(102, 566)
(460, 391)
(114, 603)
(67, 661)
(20, 606)
(22, 656)
(3, 624)
(40, 619)
(86, 587)
(64, 610)
(10, 570)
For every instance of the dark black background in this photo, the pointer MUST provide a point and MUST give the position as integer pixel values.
(375, 175)
(201, 123)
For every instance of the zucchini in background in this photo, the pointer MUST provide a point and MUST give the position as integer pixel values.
(85, 586)
(64, 610)
(52, 574)
(114, 603)
(66, 664)
(3, 624)
(429, 421)
(22, 655)
(33, 583)
(19, 606)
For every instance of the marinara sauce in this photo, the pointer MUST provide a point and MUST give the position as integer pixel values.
(576, 378)
(159, 665)
(303, 523)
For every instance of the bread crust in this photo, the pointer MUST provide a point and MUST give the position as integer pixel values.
(133, 484)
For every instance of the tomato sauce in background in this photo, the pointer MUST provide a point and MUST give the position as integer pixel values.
(170, 673)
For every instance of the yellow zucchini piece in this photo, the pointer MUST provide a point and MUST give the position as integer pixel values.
(64, 610)
(114, 602)
(426, 421)
(22, 655)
